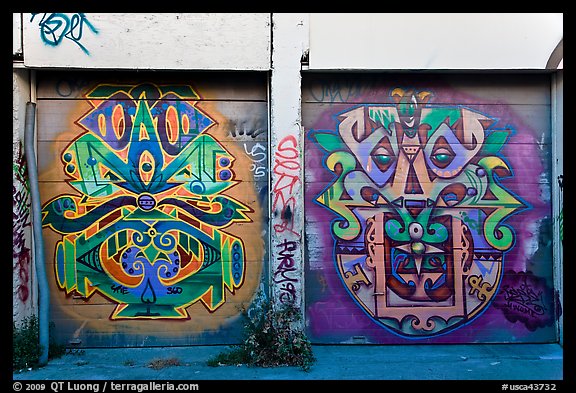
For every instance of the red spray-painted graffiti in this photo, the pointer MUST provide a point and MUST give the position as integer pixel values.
(285, 191)
(21, 220)
(286, 168)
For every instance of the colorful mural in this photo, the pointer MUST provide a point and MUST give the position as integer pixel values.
(146, 223)
(420, 219)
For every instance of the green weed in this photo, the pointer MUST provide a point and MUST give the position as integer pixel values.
(271, 338)
(26, 344)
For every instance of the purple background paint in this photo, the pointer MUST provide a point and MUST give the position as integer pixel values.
(332, 314)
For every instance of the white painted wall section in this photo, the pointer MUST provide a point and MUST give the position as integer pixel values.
(401, 41)
(161, 41)
(25, 295)
(290, 38)
(16, 34)
(558, 189)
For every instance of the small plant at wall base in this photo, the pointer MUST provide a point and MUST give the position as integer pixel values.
(271, 339)
(26, 348)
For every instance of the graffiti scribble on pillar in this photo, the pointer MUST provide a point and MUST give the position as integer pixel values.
(145, 229)
(420, 237)
(21, 220)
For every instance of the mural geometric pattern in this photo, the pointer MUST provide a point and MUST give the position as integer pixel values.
(419, 230)
(145, 227)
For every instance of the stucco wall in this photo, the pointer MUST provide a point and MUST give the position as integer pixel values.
(202, 41)
(23, 280)
(558, 188)
(433, 41)
(287, 213)
(241, 41)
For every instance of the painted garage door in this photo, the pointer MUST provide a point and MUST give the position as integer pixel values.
(150, 184)
(428, 208)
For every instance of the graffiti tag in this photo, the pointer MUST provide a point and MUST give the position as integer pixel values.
(258, 156)
(526, 298)
(21, 220)
(286, 267)
(55, 27)
(336, 91)
(286, 168)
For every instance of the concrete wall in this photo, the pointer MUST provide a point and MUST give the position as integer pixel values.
(189, 41)
(359, 41)
(23, 278)
(287, 214)
(558, 189)
(17, 34)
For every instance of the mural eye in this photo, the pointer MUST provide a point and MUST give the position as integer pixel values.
(442, 157)
(434, 262)
(225, 174)
(411, 109)
(383, 158)
(224, 161)
(407, 109)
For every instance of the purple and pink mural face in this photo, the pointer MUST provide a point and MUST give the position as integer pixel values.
(420, 215)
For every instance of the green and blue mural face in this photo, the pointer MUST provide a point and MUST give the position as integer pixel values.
(146, 225)
(420, 225)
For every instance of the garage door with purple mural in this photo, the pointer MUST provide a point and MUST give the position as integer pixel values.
(149, 188)
(428, 209)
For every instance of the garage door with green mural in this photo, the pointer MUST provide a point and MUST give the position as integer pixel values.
(428, 208)
(149, 187)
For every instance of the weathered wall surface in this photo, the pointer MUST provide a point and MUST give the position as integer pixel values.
(265, 122)
(287, 207)
(441, 41)
(242, 41)
(428, 209)
(154, 197)
(201, 41)
(23, 280)
(557, 123)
